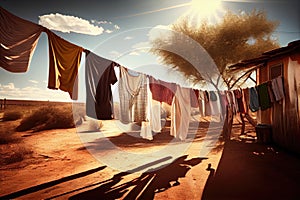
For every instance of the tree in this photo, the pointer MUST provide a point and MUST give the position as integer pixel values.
(236, 37)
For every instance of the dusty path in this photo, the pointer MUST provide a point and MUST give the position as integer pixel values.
(61, 168)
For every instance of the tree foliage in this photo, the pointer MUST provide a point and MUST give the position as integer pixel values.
(236, 37)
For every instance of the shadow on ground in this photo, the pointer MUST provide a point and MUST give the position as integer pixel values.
(254, 171)
(51, 183)
(145, 186)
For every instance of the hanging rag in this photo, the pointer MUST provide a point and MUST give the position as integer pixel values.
(263, 96)
(99, 75)
(223, 101)
(270, 91)
(64, 62)
(246, 99)
(162, 91)
(18, 39)
(277, 86)
(194, 98)
(133, 96)
(180, 113)
(201, 103)
(153, 111)
(239, 99)
(254, 103)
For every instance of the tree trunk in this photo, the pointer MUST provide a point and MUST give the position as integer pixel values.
(228, 123)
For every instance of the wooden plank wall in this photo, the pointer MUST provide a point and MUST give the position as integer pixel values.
(284, 116)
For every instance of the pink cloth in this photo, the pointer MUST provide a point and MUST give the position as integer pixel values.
(18, 38)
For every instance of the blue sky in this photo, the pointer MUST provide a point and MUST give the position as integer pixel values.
(118, 30)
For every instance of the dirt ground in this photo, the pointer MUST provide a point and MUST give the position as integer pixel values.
(68, 164)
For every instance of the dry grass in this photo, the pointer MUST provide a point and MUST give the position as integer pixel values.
(7, 137)
(14, 153)
(45, 118)
(34, 118)
(12, 115)
(11, 148)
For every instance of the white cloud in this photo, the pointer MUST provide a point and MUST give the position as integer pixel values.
(102, 22)
(159, 31)
(67, 24)
(128, 38)
(9, 86)
(33, 81)
(108, 31)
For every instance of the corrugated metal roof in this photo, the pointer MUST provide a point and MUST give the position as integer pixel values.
(292, 47)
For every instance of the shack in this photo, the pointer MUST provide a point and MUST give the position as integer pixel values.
(283, 116)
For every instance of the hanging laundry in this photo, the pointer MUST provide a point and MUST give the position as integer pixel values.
(64, 61)
(213, 96)
(180, 113)
(214, 103)
(223, 102)
(207, 103)
(270, 92)
(133, 96)
(153, 111)
(162, 91)
(18, 38)
(254, 103)
(194, 98)
(277, 86)
(99, 75)
(201, 103)
(239, 99)
(263, 96)
(246, 99)
(230, 101)
(146, 132)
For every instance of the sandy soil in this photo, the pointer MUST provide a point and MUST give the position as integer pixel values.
(62, 166)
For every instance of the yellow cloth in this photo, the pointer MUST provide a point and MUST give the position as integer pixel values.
(64, 61)
(18, 39)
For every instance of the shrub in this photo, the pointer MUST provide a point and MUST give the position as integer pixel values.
(7, 137)
(52, 117)
(12, 115)
(15, 154)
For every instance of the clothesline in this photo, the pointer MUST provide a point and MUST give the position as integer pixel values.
(19, 38)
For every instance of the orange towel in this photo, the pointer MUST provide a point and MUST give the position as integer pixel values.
(64, 61)
(18, 39)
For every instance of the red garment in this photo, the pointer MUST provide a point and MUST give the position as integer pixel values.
(162, 91)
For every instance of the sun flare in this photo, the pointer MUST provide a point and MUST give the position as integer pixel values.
(203, 9)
